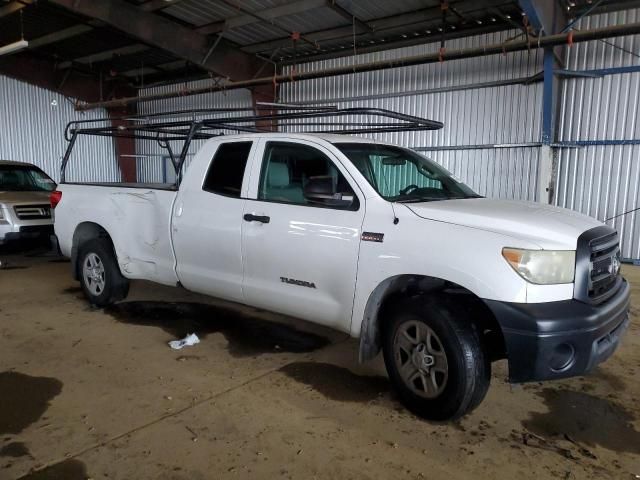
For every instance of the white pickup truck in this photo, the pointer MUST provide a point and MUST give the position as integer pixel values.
(370, 239)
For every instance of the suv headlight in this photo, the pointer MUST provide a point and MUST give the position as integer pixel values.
(543, 267)
(3, 217)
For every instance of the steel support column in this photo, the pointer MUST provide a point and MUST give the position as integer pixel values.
(547, 18)
(549, 102)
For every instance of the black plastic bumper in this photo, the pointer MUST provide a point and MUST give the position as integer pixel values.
(560, 339)
(32, 231)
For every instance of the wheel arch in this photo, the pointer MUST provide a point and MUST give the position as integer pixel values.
(391, 290)
(85, 231)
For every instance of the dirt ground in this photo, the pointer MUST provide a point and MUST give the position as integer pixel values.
(97, 394)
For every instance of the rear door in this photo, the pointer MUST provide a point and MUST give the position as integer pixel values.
(207, 220)
(300, 257)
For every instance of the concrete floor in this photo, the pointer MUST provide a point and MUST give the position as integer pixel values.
(87, 393)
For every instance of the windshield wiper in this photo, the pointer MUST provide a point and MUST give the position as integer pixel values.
(422, 199)
(435, 199)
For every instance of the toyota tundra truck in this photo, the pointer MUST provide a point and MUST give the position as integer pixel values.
(371, 239)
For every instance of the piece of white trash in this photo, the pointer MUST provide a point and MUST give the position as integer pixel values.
(187, 341)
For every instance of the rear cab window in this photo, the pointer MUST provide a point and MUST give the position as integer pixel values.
(226, 171)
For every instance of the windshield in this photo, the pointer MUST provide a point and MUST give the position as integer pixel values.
(401, 175)
(17, 178)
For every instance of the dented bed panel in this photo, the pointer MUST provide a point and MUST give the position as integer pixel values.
(137, 220)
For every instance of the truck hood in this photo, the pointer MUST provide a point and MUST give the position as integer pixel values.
(547, 226)
(11, 198)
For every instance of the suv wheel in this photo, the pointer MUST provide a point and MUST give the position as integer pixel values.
(435, 358)
(102, 282)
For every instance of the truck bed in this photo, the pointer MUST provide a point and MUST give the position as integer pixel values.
(137, 217)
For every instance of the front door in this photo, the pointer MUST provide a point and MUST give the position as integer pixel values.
(301, 255)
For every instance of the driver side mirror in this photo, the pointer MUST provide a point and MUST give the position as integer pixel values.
(322, 190)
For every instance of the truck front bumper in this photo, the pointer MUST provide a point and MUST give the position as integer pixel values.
(553, 340)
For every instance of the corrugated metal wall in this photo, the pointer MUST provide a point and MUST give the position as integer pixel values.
(32, 122)
(151, 160)
(480, 123)
(602, 180)
(492, 132)
(490, 138)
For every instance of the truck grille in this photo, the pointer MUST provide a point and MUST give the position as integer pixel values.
(33, 212)
(597, 265)
(605, 265)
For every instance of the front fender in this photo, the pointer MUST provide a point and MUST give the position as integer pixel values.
(465, 256)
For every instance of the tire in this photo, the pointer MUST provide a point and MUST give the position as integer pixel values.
(435, 334)
(99, 274)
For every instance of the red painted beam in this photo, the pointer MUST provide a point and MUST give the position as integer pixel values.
(125, 147)
(265, 94)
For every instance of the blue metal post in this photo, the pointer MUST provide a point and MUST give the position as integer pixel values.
(546, 17)
(547, 97)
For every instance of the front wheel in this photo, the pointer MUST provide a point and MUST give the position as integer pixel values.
(100, 276)
(435, 358)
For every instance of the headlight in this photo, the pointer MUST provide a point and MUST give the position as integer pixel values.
(3, 218)
(544, 267)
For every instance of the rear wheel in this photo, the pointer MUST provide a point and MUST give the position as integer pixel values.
(102, 282)
(435, 358)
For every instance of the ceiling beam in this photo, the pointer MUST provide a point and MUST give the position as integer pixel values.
(400, 43)
(266, 14)
(170, 77)
(499, 48)
(162, 67)
(507, 18)
(42, 73)
(608, 6)
(225, 60)
(155, 5)
(105, 55)
(13, 7)
(347, 15)
(380, 25)
(59, 36)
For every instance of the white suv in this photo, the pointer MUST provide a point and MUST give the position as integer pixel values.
(24, 202)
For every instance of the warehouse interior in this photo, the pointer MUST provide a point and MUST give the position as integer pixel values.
(539, 103)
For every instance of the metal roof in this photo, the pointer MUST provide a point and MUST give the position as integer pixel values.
(279, 31)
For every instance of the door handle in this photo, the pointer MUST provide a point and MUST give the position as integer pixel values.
(250, 217)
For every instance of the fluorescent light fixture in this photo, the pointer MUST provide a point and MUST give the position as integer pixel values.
(13, 47)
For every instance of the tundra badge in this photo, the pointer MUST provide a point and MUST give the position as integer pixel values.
(293, 281)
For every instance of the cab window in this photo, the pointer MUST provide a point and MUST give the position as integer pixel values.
(226, 171)
(303, 175)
